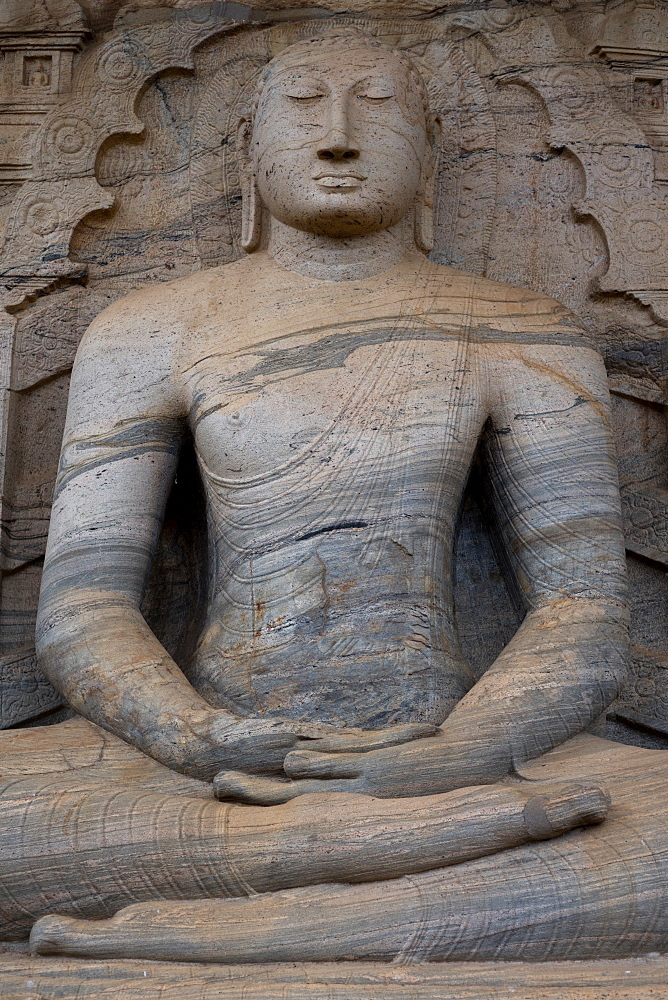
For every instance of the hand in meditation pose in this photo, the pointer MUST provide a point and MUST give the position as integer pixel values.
(337, 385)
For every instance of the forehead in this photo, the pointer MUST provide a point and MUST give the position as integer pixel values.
(341, 63)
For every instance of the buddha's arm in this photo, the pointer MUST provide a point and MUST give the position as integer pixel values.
(122, 437)
(554, 484)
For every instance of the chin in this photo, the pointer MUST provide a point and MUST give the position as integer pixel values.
(341, 215)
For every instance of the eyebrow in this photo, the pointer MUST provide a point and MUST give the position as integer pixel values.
(375, 78)
(299, 76)
(296, 77)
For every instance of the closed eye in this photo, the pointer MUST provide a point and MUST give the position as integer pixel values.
(375, 91)
(304, 95)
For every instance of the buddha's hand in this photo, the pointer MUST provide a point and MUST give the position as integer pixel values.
(260, 745)
(423, 767)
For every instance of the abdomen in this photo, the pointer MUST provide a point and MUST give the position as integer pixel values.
(340, 628)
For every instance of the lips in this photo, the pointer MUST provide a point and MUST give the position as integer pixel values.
(339, 182)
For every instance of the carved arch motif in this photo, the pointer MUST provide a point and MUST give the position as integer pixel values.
(612, 149)
(63, 187)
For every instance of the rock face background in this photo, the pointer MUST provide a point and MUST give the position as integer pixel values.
(118, 168)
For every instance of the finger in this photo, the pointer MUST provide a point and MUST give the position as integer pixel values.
(257, 790)
(261, 752)
(359, 741)
(276, 740)
(399, 734)
(306, 764)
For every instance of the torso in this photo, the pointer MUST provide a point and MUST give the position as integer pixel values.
(335, 431)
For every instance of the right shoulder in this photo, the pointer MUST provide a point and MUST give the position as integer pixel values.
(126, 365)
(162, 318)
(144, 317)
(135, 351)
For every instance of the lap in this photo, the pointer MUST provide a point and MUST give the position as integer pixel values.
(78, 753)
(84, 754)
(594, 892)
(60, 782)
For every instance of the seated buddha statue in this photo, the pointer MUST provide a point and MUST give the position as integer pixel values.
(330, 780)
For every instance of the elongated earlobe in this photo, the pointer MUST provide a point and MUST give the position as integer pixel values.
(251, 214)
(424, 209)
(251, 203)
(424, 224)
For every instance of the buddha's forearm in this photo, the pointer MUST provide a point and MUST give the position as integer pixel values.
(560, 671)
(558, 674)
(101, 655)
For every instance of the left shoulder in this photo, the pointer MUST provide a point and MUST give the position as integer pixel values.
(512, 315)
(537, 351)
(504, 319)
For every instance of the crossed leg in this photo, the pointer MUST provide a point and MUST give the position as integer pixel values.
(98, 826)
(596, 892)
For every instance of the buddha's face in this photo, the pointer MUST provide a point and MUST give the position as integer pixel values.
(339, 140)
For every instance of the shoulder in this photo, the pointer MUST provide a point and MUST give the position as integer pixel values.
(508, 314)
(537, 352)
(126, 363)
(529, 343)
(497, 313)
(165, 316)
(142, 316)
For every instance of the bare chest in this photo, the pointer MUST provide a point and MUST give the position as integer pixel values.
(361, 398)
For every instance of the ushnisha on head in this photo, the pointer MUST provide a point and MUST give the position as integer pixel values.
(339, 141)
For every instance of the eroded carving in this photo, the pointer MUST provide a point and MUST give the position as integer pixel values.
(276, 509)
(646, 521)
(37, 238)
(24, 691)
(338, 385)
(618, 164)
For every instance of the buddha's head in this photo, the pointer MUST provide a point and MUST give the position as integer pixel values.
(339, 141)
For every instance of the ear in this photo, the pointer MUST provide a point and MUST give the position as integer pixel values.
(251, 205)
(424, 209)
(244, 138)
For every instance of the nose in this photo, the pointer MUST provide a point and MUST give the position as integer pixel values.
(337, 144)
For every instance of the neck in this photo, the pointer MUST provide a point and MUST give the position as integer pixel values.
(332, 258)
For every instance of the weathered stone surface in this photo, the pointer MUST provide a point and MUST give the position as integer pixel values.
(338, 390)
(69, 979)
(151, 180)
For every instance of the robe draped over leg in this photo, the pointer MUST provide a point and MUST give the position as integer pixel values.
(99, 830)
